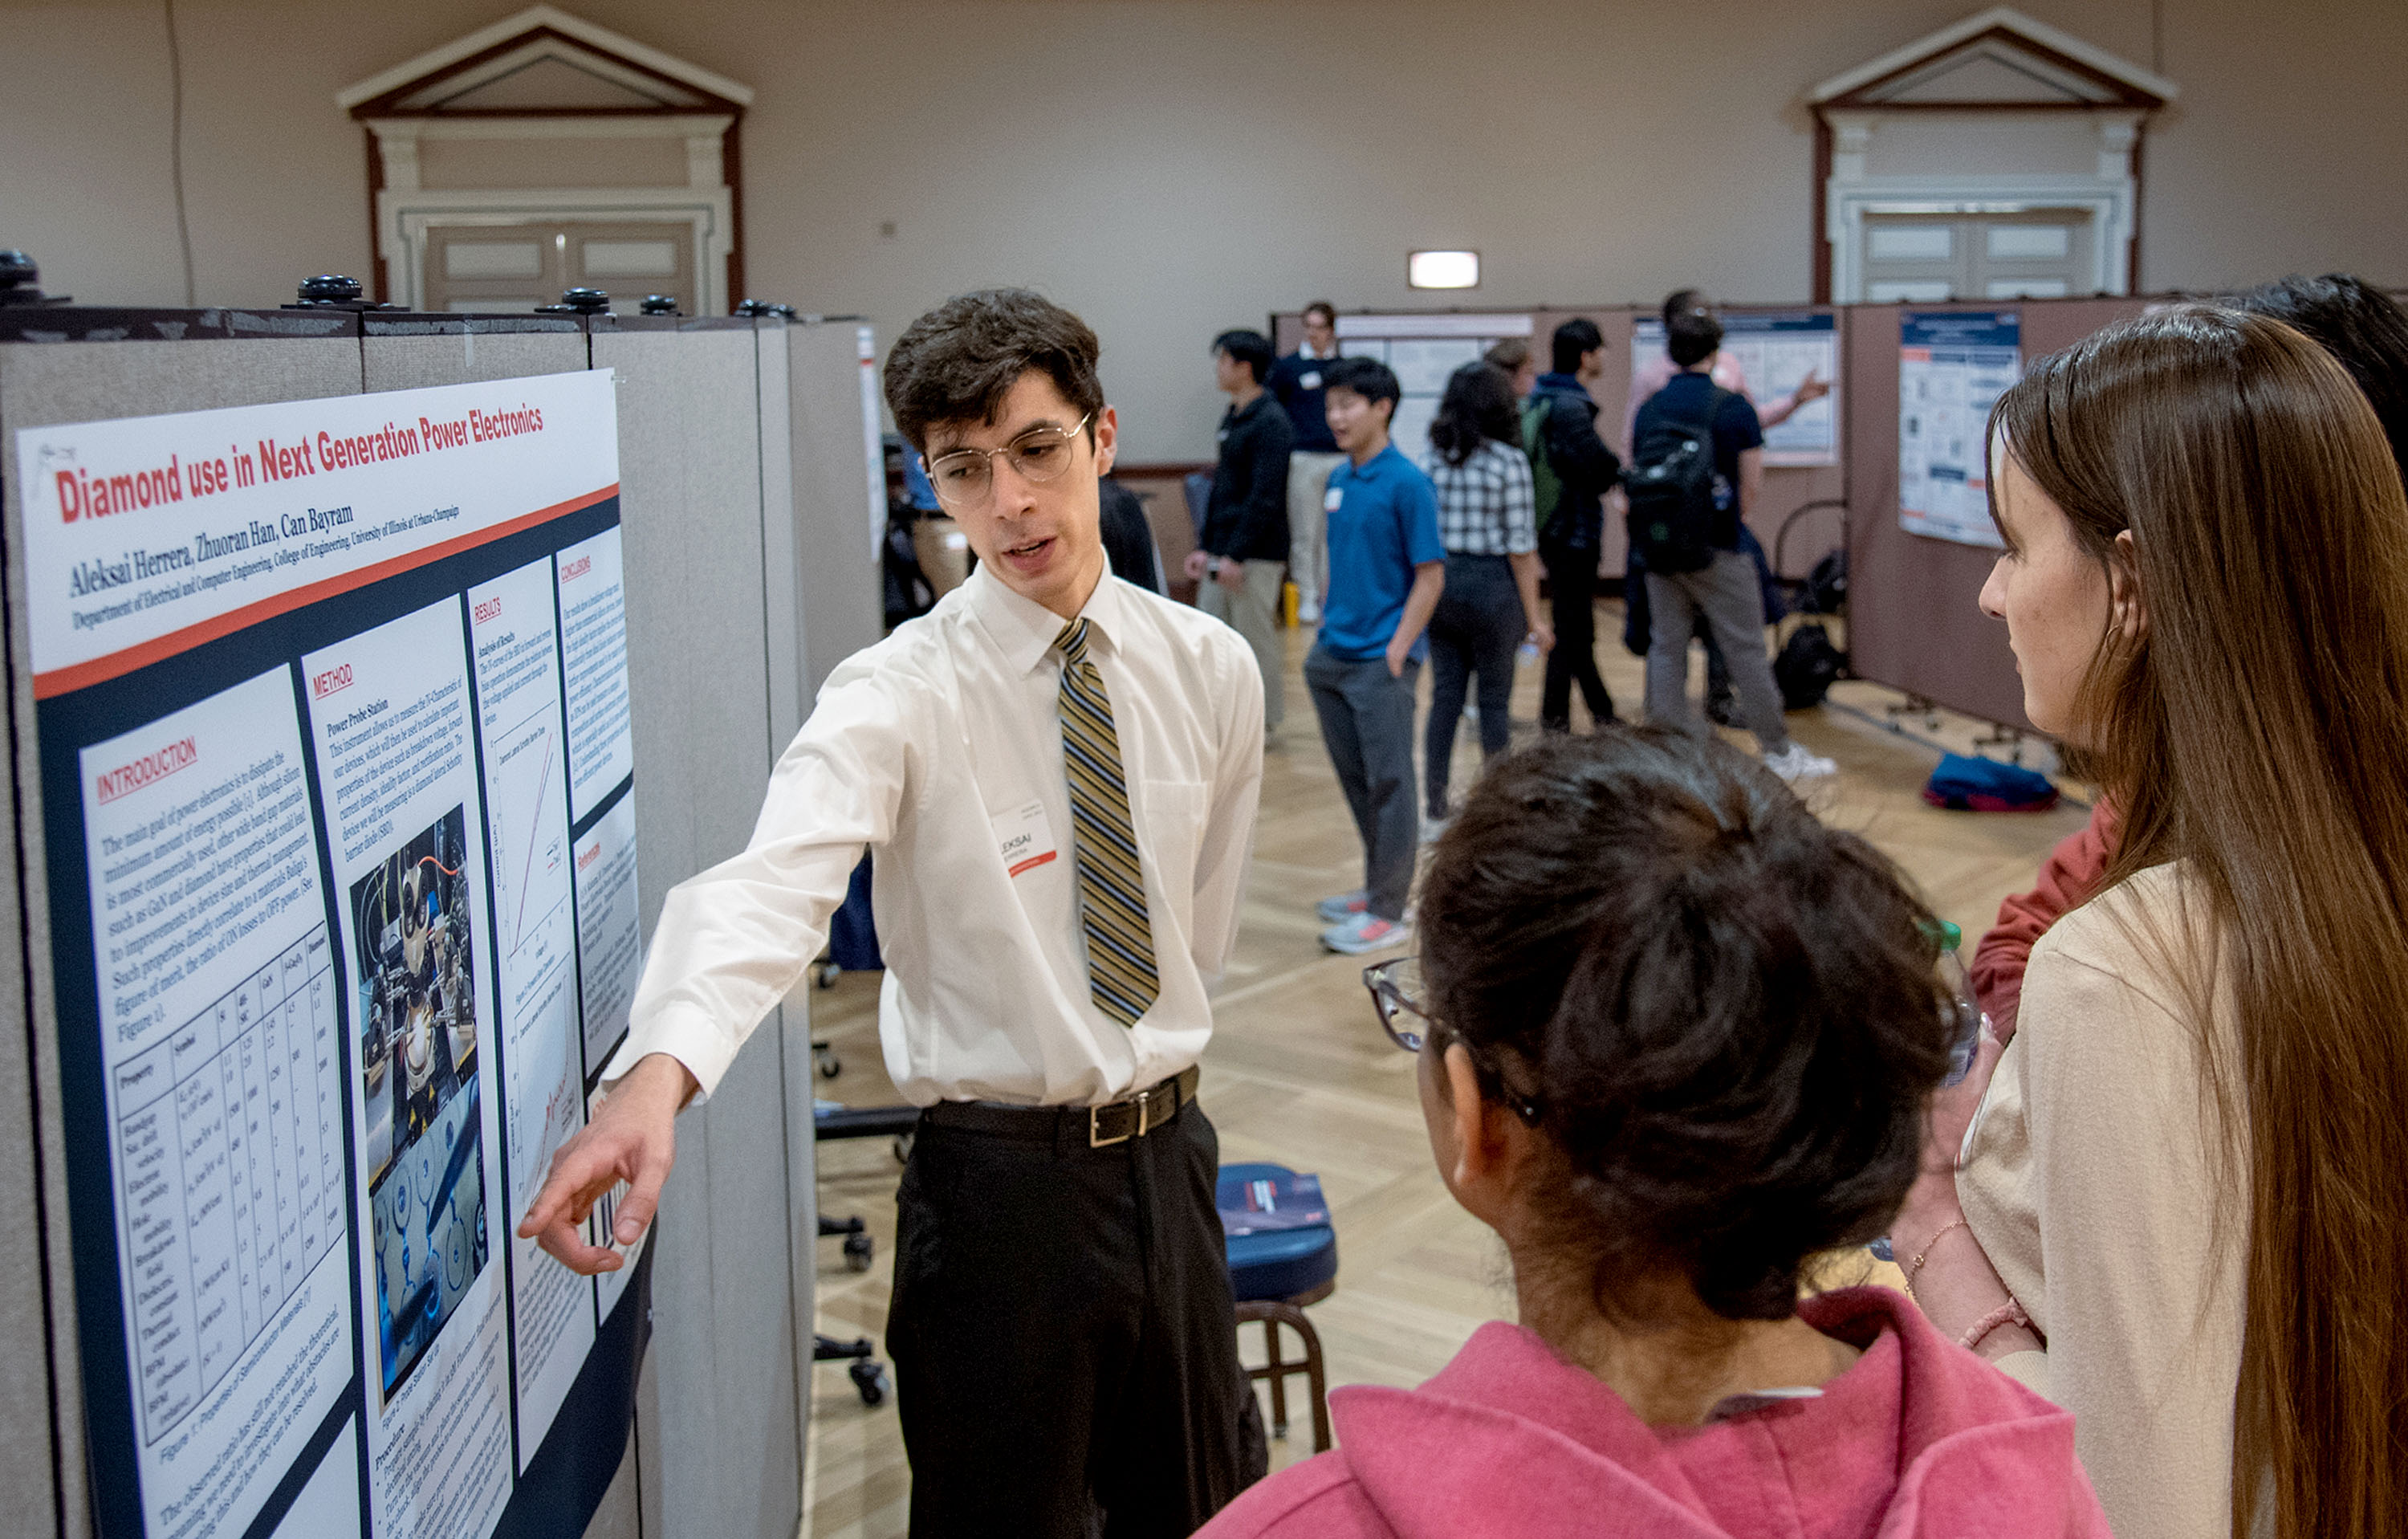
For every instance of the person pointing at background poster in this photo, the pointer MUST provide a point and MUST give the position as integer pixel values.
(1059, 773)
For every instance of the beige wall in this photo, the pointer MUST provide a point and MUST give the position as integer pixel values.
(1176, 167)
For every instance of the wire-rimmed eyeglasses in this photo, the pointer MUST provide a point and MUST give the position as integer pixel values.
(1396, 988)
(965, 478)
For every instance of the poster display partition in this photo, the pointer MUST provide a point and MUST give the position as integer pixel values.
(399, 719)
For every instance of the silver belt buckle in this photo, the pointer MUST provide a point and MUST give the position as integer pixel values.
(1144, 1102)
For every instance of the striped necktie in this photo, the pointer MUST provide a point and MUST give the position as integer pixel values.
(1121, 973)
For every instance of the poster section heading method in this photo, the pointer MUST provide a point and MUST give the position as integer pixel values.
(1952, 367)
(332, 705)
(1775, 352)
(1423, 351)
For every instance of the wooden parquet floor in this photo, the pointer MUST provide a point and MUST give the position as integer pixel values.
(1298, 1071)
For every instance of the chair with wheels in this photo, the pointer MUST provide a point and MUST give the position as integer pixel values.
(1273, 1274)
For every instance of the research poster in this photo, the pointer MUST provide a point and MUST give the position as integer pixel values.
(1952, 367)
(337, 771)
(1774, 353)
(1423, 351)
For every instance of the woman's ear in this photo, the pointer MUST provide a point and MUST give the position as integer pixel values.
(2128, 606)
(1487, 1154)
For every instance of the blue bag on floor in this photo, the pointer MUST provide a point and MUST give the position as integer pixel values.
(1985, 785)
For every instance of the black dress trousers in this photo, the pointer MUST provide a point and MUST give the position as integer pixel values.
(1063, 1342)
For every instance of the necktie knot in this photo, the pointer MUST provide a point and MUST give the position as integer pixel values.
(1073, 643)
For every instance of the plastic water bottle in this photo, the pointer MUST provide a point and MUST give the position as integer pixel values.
(1970, 1020)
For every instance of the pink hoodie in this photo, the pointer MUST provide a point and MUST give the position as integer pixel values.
(1918, 1440)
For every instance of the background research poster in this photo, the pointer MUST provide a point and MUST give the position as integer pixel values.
(309, 715)
(1776, 352)
(1952, 367)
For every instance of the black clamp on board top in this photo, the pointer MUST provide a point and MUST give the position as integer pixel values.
(759, 308)
(660, 304)
(20, 281)
(579, 302)
(333, 291)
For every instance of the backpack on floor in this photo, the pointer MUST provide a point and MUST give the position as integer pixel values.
(1670, 487)
(1546, 487)
(1807, 666)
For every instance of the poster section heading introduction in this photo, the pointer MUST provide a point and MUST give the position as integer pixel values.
(1953, 366)
(1774, 352)
(145, 536)
(337, 792)
(1423, 351)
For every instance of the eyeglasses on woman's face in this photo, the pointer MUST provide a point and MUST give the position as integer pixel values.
(1395, 988)
(966, 478)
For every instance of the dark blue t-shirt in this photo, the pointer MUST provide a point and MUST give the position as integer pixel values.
(1383, 520)
(1736, 431)
(1295, 382)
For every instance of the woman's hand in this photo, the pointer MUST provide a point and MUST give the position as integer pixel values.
(1542, 636)
(1931, 1204)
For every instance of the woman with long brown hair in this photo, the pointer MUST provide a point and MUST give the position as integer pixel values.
(2180, 1207)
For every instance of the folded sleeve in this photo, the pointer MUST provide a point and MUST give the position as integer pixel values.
(733, 939)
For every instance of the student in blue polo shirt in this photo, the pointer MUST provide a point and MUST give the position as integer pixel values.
(1386, 567)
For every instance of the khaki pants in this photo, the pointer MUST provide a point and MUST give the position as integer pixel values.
(1308, 482)
(1252, 613)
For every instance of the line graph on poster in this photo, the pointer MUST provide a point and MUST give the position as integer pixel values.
(531, 910)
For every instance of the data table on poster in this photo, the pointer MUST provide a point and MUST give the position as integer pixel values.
(230, 1149)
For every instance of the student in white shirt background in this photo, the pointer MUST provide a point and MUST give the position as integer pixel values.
(1059, 773)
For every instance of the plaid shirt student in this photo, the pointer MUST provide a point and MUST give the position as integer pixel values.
(1485, 505)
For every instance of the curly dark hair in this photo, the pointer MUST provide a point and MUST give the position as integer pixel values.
(1478, 408)
(1728, 1014)
(956, 363)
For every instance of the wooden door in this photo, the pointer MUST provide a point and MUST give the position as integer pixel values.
(2030, 253)
(515, 267)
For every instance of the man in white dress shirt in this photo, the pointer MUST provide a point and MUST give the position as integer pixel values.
(1059, 775)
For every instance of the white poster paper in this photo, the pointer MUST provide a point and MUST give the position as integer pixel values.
(515, 644)
(1953, 366)
(225, 1099)
(389, 711)
(609, 931)
(594, 617)
(1771, 354)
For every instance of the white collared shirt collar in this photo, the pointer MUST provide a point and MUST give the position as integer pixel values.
(1024, 630)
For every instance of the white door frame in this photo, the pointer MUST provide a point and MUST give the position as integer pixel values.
(706, 206)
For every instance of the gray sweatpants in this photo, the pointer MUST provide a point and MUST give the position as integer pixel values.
(1727, 593)
(1366, 723)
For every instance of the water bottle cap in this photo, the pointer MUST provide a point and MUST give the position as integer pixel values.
(1950, 936)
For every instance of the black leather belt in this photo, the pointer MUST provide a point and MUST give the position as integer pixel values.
(1097, 1127)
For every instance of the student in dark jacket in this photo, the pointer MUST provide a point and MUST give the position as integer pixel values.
(1129, 539)
(1242, 555)
(1569, 540)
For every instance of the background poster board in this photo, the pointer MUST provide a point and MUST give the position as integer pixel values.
(1423, 349)
(1952, 366)
(1775, 351)
(313, 683)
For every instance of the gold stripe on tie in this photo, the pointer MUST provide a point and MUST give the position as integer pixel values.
(1121, 975)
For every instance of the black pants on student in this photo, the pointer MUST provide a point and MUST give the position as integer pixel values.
(1065, 1347)
(1571, 589)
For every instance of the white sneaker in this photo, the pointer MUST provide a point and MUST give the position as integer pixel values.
(1434, 829)
(1344, 906)
(1307, 612)
(1794, 763)
(1366, 932)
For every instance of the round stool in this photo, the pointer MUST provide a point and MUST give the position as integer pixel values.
(1273, 1274)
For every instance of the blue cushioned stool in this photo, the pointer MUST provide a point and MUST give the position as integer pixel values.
(1273, 1274)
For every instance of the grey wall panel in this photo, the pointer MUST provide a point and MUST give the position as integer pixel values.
(407, 355)
(41, 384)
(724, 1416)
(842, 595)
(780, 592)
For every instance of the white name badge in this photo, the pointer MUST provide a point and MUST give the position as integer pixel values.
(1310, 380)
(1025, 839)
(1332, 499)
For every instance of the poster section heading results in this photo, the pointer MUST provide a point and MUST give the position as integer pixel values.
(1953, 366)
(148, 535)
(337, 1037)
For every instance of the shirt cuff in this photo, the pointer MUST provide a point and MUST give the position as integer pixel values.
(2028, 1368)
(684, 1034)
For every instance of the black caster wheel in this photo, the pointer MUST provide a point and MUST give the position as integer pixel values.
(829, 1065)
(858, 1248)
(870, 1381)
(902, 1148)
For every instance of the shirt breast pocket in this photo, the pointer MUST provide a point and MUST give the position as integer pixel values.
(1173, 811)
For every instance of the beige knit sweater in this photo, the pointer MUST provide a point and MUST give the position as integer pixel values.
(2088, 1175)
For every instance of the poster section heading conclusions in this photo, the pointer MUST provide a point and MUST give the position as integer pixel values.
(1952, 367)
(147, 536)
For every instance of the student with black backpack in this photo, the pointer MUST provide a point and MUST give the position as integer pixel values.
(1697, 460)
(1571, 470)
